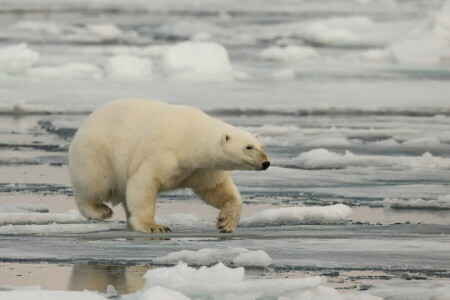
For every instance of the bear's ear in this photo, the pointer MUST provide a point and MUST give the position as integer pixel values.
(225, 138)
(256, 135)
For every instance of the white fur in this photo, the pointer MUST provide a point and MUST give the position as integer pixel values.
(128, 151)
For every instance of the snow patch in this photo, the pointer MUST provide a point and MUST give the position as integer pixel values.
(128, 66)
(333, 214)
(325, 159)
(235, 256)
(442, 202)
(288, 53)
(197, 60)
(17, 59)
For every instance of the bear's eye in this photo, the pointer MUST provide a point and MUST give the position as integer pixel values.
(250, 147)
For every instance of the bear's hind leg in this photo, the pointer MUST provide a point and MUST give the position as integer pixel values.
(141, 203)
(225, 196)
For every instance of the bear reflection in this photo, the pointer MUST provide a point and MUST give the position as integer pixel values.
(96, 277)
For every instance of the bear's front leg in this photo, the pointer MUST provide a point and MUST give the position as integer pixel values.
(224, 196)
(141, 203)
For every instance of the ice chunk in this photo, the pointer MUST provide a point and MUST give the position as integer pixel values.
(71, 70)
(288, 53)
(220, 282)
(17, 59)
(41, 218)
(325, 159)
(193, 60)
(128, 66)
(235, 256)
(50, 295)
(333, 214)
(22, 208)
(442, 202)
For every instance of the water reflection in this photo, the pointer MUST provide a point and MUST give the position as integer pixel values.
(96, 277)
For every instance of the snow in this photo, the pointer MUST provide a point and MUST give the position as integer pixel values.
(22, 208)
(427, 43)
(161, 293)
(221, 282)
(197, 60)
(284, 74)
(58, 228)
(38, 27)
(325, 159)
(442, 202)
(16, 59)
(41, 218)
(105, 31)
(129, 67)
(322, 34)
(49, 295)
(333, 214)
(376, 55)
(288, 53)
(70, 70)
(235, 256)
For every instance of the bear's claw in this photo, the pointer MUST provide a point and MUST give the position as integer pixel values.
(226, 224)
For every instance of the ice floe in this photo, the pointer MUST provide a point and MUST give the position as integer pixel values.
(288, 53)
(129, 66)
(16, 59)
(284, 74)
(235, 256)
(197, 60)
(325, 159)
(332, 214)
(49, 295)
(442, 202)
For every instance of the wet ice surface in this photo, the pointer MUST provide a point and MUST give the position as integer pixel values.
(350, 99)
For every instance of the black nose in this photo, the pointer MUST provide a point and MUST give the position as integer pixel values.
(265, 165)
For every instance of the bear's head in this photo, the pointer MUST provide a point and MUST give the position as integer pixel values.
(243, 151)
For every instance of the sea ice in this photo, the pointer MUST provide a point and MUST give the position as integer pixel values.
(204, 60)
(288, 53)
(442, 202)
(49, 295)
(58, 228)
(325, 159)
(221, 282)
(333, 214)
(70, 70)
(41, 218)
(17, 59)
(128, 66)
(22, 208)
(284, 74)
(105, 31)
(236, 256)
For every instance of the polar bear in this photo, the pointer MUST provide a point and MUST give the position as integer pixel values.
(127, 151)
